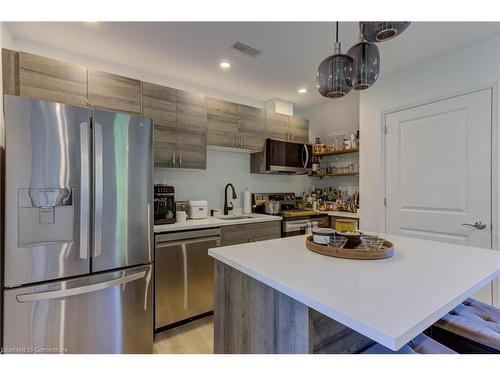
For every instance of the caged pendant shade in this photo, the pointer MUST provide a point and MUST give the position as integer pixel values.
(381, 31)
(366, 64)
(335, 73)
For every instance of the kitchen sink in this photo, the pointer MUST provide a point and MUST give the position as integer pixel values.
(235, 217)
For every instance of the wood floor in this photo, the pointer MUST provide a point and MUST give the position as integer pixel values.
(192, 338)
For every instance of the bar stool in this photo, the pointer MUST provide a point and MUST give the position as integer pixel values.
(471, 327)
(421, 344)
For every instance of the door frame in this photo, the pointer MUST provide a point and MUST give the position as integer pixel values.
(495, 165)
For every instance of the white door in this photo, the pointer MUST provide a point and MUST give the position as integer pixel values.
(438, 172)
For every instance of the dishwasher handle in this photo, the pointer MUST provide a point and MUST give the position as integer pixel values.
(163, 244)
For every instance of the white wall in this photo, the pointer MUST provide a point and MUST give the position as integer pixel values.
(336, 116)
(464, 70)
(222, 168)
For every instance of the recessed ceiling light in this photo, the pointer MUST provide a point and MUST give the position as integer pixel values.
(302, 91)
(225, 65)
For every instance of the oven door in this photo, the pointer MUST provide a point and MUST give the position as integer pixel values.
(300, 226)
(288, 157)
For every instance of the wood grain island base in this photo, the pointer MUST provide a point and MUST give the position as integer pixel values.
(253, 318)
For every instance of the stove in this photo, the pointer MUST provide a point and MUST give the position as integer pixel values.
(296, 221)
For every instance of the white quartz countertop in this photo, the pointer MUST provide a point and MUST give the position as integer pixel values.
(389, 300)
(211, 222)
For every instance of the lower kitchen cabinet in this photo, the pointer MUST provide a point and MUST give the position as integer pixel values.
(243, 233)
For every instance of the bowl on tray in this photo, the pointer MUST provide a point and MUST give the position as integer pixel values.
(353, 238)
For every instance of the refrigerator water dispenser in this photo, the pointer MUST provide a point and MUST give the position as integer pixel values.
(46, 215)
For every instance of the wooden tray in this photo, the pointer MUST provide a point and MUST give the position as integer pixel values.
(386, 251)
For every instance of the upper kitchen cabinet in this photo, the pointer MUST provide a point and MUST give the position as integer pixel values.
(286, 128)
(222, 123)
(10, 72)
(299, 129)
(52, 80)
(160, 104)
(252, 126)
(191, 131)
(277, 126)
(114, 92)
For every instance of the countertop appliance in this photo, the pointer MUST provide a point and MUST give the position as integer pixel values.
(78, 231)
(184, 275)
(164, 204)
(198, 209)
(280, 157)
(295, 221)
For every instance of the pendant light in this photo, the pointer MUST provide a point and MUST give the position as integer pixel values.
(366, 63)
(335, 73)
(382, 31)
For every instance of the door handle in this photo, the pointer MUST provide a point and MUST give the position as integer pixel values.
(173, 160)
(98, 189)
(161, 245)
(30, 297)
(478, 225)
(180, 160)
(84, 189)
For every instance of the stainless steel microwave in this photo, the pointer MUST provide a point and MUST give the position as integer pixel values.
(281, 157)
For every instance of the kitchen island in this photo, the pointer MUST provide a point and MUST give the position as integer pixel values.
(278, 297)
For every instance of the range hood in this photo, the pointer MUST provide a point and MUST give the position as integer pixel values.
(281, 157)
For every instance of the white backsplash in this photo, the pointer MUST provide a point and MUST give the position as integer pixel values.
(224, 167)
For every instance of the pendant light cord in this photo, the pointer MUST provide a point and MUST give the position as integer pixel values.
(337, 32)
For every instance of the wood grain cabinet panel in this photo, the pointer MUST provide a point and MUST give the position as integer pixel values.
(191, 149)
(191, 130)
(277, 126)
(252, 126)
(191, 111)
(159, 103)
(222, 123)
(299, 129)
(48, 79)
(10, 72)
(114, 92)
(253, 232)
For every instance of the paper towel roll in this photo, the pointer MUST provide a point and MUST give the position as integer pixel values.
(247, 202)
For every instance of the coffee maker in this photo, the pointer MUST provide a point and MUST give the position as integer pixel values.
(164, 204)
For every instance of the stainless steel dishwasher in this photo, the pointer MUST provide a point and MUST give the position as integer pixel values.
(184, 275)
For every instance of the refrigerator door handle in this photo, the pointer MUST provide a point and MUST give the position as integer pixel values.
(85, 190)
(31, 297)
(98, 189)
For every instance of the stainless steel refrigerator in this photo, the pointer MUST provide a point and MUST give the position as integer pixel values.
(78, 229)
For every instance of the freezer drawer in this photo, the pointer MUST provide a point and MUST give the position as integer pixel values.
(184, 275)
(104, 313)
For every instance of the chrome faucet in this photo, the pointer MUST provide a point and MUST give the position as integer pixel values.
(226, 207)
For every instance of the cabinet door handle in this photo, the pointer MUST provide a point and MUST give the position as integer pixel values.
(242, 142)
(173, 160)
(180, 160)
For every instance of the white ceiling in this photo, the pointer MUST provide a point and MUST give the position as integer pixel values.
(291, 51)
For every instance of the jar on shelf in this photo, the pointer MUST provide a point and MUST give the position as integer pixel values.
(317, 146)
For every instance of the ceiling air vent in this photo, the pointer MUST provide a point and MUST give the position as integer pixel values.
(247, 50)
